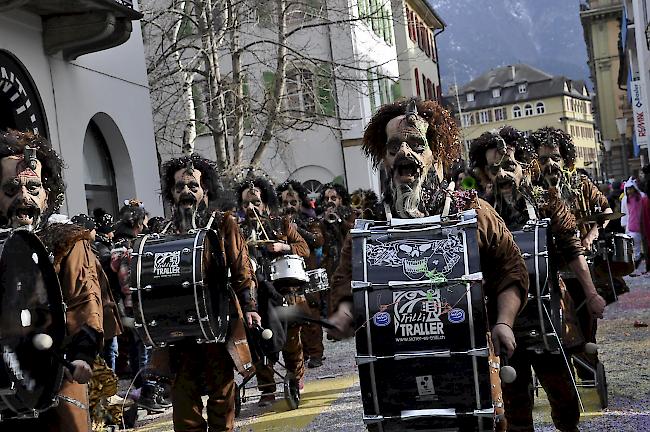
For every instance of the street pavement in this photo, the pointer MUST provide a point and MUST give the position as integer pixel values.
(331, 400)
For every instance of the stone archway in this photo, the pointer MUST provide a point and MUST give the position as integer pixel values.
(111, 156)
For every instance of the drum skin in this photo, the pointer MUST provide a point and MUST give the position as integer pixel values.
(531, 324)
(415, 336)
(180, 288)
(30, 303)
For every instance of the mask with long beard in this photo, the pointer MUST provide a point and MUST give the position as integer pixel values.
(188, 218)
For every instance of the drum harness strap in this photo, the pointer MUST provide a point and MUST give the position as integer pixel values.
(208, 225)
(450, 189)
(532, 214)
(72, 401)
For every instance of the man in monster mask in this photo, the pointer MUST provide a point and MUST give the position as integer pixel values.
(556, 157)
(504, 159)
(33, 189)
(190, 184)
(415, 141)
(295, 205)
(271, 237)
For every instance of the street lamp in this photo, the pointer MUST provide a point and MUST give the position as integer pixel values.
(621, 125)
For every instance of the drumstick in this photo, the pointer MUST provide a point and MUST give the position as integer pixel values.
(261, 224)
(507, 373)
(266, 333)
(43, 342)
(294, 313)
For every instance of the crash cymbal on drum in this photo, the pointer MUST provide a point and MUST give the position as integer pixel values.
(601, 217)
(263, 242)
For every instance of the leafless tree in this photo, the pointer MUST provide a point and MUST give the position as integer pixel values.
(203, 58)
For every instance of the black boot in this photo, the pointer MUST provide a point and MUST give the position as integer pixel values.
(149, 398)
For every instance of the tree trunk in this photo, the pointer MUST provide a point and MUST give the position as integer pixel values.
(279, 87)
(187, 97)
(238, 84)
(211, 38)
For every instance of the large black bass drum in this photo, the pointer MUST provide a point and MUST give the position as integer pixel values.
(539, 326)
(30, 303)
(180, 288)
(422, 349)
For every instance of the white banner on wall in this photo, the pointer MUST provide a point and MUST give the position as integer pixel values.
(640, 108)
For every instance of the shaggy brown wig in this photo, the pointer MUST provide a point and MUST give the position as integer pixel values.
(13, 143)
(296, 186)
(524, 151)
(340, 190)
(442, 133)
(209, 175)
(553, 137)
(267, 192)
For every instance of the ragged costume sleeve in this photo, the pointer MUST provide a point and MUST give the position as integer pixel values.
(295, 241)
(341, 288)
(242, 276)
(82, 295)
(563, 227)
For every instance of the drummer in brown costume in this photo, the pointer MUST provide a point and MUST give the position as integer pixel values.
(503, 158)
(416, 141)
(557, 157)
(271, 237)
(190, 186)
(32, 189)
(295, 204)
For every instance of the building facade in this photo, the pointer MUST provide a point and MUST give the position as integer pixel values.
(372, 52)
(527, 99)
(635, 60)
(75, 73)
(601, 22)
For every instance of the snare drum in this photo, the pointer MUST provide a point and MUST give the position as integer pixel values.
(289, 270)
(30, 303)
(180, 286)
(539, 325)
(621, 254)
(422, 351)
(317, 281)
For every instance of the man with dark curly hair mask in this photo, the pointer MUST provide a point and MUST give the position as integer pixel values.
(503, 157)
(32, 189)
(416, 142)
(190, 185)
(556, 157)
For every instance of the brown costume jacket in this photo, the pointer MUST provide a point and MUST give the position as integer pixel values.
(242, 279)
(501, 261)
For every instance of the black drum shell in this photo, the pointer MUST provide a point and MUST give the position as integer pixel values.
(189, 283)
(534, 242)
(25, 261)
(379, 287)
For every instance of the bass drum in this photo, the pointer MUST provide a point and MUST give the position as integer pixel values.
(180, 287)
(30, 303)
(539, 326)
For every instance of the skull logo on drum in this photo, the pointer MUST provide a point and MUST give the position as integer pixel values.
(416, 258)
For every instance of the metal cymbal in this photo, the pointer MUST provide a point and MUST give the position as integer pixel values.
(601, 217)
(263, 242)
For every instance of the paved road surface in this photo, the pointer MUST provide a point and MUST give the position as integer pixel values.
(331, 400)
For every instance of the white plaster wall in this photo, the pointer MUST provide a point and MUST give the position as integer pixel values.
(113, 82)
(361, 174)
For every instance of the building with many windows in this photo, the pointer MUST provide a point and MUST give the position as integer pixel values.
(74, 72)
(527, 99)
(601, 23)
(351, 61)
